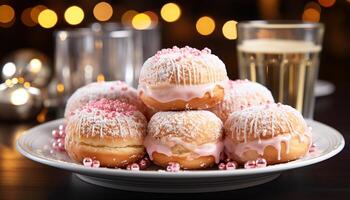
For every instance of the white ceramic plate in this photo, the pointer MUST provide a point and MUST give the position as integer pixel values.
(35, 145)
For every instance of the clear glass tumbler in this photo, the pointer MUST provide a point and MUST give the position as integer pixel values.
(283, 56)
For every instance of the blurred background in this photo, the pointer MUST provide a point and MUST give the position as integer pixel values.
(28, 35)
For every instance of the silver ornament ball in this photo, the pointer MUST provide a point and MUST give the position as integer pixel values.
(29, 64)
(18, 101)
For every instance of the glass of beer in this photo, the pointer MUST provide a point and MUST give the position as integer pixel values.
(283, 56)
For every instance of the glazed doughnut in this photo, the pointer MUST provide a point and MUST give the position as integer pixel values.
(241, 94)
(191, 138)
(182, 78)
(275, 132)
(107, 130)
(110, 90)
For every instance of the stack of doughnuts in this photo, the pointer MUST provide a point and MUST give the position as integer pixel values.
(196, 117)
(179, 82)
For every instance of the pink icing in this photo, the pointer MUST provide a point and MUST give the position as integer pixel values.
(259, 145)
(170, 93)
(209, 149)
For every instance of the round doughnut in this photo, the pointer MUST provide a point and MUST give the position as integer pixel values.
(191, 138)
(241, 94)
(275, 132)
(109, 90)
(182, 78)
(107, 130)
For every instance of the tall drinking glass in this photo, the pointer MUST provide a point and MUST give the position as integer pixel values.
(83, 56)
(283, 56)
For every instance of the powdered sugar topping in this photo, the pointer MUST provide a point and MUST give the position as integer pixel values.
(241, 94)
(187, 125)
(109, 90)
(107, 117)
(182, 66)
(269, 119)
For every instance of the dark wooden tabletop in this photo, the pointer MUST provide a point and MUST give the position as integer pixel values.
(21, 178)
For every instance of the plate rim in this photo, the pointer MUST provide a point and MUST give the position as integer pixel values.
(73, 167)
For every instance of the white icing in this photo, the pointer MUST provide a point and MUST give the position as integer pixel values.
(208, 149)
(168, 93)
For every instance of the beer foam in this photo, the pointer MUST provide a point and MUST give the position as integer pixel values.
(278, 46)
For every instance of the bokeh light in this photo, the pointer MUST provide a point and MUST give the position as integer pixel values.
(153, 16)
(26, 19)
(170, 12)
(60, 88)
(229, 30)
(47, 18)
(74, 15)
(100, 78)
(103, 11)
(35, 11)
(127, 17)
(19, 97)
(312, 12)
(9, 69)
(7, 14)
(35, 65)
(205, 25)
(326, 3)
(141, 21)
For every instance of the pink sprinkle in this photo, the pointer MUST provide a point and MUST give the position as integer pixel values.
(231, 165)
(55, 145)
(242, 107)
(112, 88)
(250, 164)
(95, 164)
(133, 167)
(144, 163)
(260, 162)
(87, 162)
(60, 146)
(55, 134)
(173, 167)
(61, 127)
(222, 166)
(267, 106)
(61, 134)
(60, 140)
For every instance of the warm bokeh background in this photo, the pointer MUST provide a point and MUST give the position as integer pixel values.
(18, 30)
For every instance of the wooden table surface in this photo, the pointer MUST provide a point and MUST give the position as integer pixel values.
(21, 178)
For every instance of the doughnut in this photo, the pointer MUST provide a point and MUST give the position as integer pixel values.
(110, 90)
(182, 78)
(278, 133)
(109, 131)
(241, 94)
(192, 138)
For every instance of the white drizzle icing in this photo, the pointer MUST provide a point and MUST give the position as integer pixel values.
(119, 119)
(182, 66)
(241, 93)
(258, 121)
